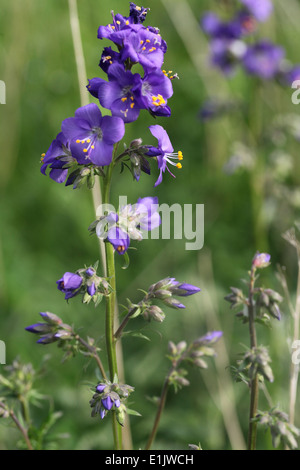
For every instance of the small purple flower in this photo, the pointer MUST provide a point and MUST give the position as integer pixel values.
(119, 239)
(91, 289)
(261, 260)
(58, 149)
(164, 152)
(92, 135)
(263, 59)
(138, 14)
(108, 57)
(69, 284)
(155, 90)
(144, 47)
(121, 93)
(260, 9)
(90, 272)
(117, 30)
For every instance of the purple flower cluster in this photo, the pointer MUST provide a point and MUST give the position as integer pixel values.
(86, 141)
(230, 47)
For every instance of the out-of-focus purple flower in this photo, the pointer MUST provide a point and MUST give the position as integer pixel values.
(290, 75)
(119, 239)
(146, 215)
(92, 137)
(263, 59)
(261, 260)
(215, 28)
(155, 90)
(56, 158)
(121, 94)
(227, 53)
(69, 284)
(164, 152)
(144, 47)
(260, 9)
(138, 14)
(210, 337)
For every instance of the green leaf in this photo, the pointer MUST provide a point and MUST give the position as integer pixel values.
(132, 412)
(127, 260)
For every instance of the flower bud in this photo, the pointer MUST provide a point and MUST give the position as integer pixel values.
(261, 260)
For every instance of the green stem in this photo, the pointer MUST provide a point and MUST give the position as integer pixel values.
(110, 308)
(160, 409)
(254, 382)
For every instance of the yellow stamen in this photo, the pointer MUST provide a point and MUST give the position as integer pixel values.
(43, 154)
(180, 156)
(88, 141)
(132, 105)
(121, 248)
(85, 150)
(179, 165)
(93, 146)
(78, 141)
(141, 42)
(148, 40)
(118, 22)
(143, 49)
(124, 99)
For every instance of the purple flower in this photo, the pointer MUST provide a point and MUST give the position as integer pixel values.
(226, 54)
(121, 93)
(210, 337)
(108, 58)
(155, 90)
(164, 152)
(119, 239)
(214, 27)
(92, 137)
(263, 59)
(260, 9)
(69, 284)
(117, 30)
(145, 47)
(58, 150)
(138, 14)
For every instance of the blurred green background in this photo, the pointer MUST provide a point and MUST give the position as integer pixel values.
(43, 225)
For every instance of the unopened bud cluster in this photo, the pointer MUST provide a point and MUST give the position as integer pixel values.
(110, 397)
(256, 361)
(85, 282)
(282, 431)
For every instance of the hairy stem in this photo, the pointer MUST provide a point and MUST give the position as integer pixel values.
(254, 382)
